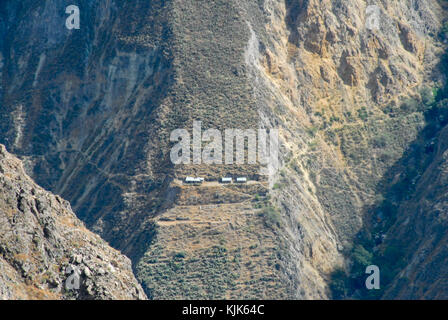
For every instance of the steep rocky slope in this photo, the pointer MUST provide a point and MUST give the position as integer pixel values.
(341, 83)
(90, 112)
(421, 230)
(41, 239)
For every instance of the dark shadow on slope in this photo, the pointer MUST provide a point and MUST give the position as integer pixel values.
(373, 245)
(294, 9)
(82, 172)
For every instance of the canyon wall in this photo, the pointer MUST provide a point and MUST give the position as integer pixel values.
(90, 113)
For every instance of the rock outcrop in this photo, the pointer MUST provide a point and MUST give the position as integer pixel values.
(47, 253)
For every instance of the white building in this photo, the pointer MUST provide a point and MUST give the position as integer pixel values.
(193, 180)
(241, 179)
(226, 180)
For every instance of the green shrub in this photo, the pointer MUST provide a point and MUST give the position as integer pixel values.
(362, 114)
(271, 217)
(180, 255)
(312, 131)
(428, 96)
(443, 34)
(339, 284)
(410, 105)
(361, 259)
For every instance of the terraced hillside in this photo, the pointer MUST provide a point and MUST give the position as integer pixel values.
(217, 242)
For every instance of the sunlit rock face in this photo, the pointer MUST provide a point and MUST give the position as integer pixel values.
(47, 253)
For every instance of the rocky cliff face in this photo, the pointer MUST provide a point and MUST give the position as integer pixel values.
(420, 230)
(341, 93)
(44, 248)
(90, 112)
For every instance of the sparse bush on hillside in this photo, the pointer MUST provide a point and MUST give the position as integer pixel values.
(361, 259)
(410, 105)
(362, 114)
(339, 284)
(443, 34)
(180, 255)
(428, 96)
(379, 141)
(312, 131)
(296, 168)
(271, 217)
